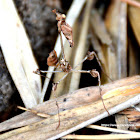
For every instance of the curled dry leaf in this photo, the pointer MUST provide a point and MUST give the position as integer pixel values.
(94, 73)
(64, 27)
(52, 59)
(90, 55)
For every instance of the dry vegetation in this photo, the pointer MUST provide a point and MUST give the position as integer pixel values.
(28, 34)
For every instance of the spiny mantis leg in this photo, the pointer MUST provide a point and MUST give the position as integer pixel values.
(50, 71)
(94, 74)
(80, 62)
(100, 90)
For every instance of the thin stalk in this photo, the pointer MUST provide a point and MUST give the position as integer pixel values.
(62, 47)
(63, 77)
(111, 129)
(81, 71)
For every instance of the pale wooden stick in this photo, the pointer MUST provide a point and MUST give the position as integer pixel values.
(117, 108)
(103, 137)
(43, 71)
(47, 128)
(111, 129)
(44, 115)
(18, 54)
(78, 98)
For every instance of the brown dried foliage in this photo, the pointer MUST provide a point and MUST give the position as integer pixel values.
(64, 27)
(52, 60)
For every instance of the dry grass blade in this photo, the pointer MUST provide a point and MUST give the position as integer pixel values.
(81, 47)
(100, 30)
(122, 42)
(102, 35)
(104, 137)
(72, 15)
(111, 129)
(18, 54)
(112, 27)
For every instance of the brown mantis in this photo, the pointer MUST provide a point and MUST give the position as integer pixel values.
(63, 64)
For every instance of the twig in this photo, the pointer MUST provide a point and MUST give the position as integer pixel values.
(104, 137)
(44, 115)
(111, 129)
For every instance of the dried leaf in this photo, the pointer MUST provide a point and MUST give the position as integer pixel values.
(52, 59)
(67, 31)
(64, 27)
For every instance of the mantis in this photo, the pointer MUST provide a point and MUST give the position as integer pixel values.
(63, 64)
